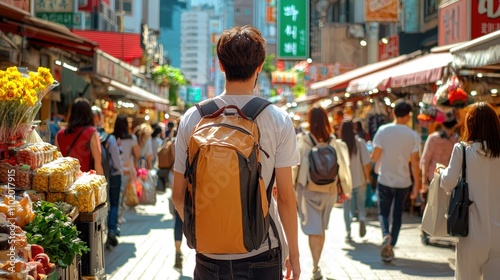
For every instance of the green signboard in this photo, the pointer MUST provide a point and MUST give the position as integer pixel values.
(61, 18)
(194, 94)
(293, 29)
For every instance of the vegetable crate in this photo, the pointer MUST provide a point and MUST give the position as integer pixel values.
(71, 272)
(93, 230)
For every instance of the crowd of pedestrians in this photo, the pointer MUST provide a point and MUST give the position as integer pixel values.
(284, 158)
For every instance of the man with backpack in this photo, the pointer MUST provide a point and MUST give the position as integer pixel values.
(223, 183)
(112, 167)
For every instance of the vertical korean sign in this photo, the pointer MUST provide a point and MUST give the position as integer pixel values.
(293, 29)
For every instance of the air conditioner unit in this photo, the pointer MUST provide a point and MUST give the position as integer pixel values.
(356, 31)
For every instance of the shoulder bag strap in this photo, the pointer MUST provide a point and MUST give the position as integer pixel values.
(207, 107)
(464, 164)
(76, 138)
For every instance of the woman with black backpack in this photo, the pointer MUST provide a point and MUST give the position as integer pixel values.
(324, 162)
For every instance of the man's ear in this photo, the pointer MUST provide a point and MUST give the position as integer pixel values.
(221, 67)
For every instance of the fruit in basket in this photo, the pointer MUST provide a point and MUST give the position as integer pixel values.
(39, 267)
(36, 249)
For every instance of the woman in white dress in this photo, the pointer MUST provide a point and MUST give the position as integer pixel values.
(478, 254)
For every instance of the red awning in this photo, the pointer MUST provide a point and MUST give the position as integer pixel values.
(41, 32)
(342, 80)
(124, 46)
(421, 70)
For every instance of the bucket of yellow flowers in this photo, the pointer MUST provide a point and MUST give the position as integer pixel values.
(21, 93)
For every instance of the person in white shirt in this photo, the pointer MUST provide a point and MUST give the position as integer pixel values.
(394, 145)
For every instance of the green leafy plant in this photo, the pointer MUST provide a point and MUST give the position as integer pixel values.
(54, 231)
(269, 65)
(171, 77)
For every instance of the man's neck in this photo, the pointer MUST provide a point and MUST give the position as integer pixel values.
(400, 121)
(239, 88)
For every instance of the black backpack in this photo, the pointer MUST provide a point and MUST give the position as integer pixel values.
(323, 162)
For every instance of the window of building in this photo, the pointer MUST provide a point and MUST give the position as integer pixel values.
(246, 12)
(127, 6)
(237, 11)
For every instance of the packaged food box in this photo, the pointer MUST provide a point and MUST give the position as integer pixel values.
(96, 182)
(56, 196)
(56, 176)
(83, 197)
(23, 177)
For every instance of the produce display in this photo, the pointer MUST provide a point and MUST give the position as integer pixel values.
(41, 192)
(54, 231)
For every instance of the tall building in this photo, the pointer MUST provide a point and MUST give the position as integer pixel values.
(170, 29)
(195, 45)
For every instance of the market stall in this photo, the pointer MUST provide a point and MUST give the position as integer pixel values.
(52, 216)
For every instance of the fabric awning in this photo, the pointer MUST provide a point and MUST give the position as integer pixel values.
(480, 52)
(41, 32)
(342, 80)
(134, 92)
(421, 70)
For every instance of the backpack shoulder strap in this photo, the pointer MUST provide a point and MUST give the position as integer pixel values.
(207, 107)
(254, 107)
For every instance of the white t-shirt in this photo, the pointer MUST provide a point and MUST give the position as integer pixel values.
(277, 138)
(397, 142)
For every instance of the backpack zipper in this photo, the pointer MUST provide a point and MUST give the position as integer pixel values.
(225, 125)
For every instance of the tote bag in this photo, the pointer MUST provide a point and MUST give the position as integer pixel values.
(434, 219)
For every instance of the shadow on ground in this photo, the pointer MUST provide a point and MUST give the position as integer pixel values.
(365, 252)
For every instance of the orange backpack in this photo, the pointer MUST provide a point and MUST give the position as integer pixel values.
(227, 203)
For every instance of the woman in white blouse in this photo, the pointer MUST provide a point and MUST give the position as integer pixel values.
(478, 255)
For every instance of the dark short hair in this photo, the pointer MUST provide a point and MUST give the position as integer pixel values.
(483, 126)
(121, 130)
(170, 124)
(319, 125)
(402, 109)
(241, 50)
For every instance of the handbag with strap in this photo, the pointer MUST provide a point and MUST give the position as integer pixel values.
(458, 210)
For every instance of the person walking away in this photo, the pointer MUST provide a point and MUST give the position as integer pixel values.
(143, 134)
(156, 142)
(315, 202)
(241, 52)
(393, 145)
(170, 130)
(358, 129)
(80, 139)
(437, 149)
(112, 162)
(129, 152)
(166, 158)
(478, 254)
(360, 168)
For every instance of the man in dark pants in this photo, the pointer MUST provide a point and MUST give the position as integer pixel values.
(394, 144)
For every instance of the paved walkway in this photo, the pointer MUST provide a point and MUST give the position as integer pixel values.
(146, 251)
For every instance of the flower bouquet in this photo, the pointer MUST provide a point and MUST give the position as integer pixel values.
(21, 93)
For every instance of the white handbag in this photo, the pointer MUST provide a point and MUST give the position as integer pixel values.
(434, 219)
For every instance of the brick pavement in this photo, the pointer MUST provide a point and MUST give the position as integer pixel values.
(147, 251)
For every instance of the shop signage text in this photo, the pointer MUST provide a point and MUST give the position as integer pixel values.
(389, 50)
(453, 23)
(485, 17)
(67, 19)
(293, 26)
(112, 69)
(382, 10)
(54, 6)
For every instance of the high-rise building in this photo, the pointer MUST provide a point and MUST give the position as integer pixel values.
(170, 29)
(195, 44)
